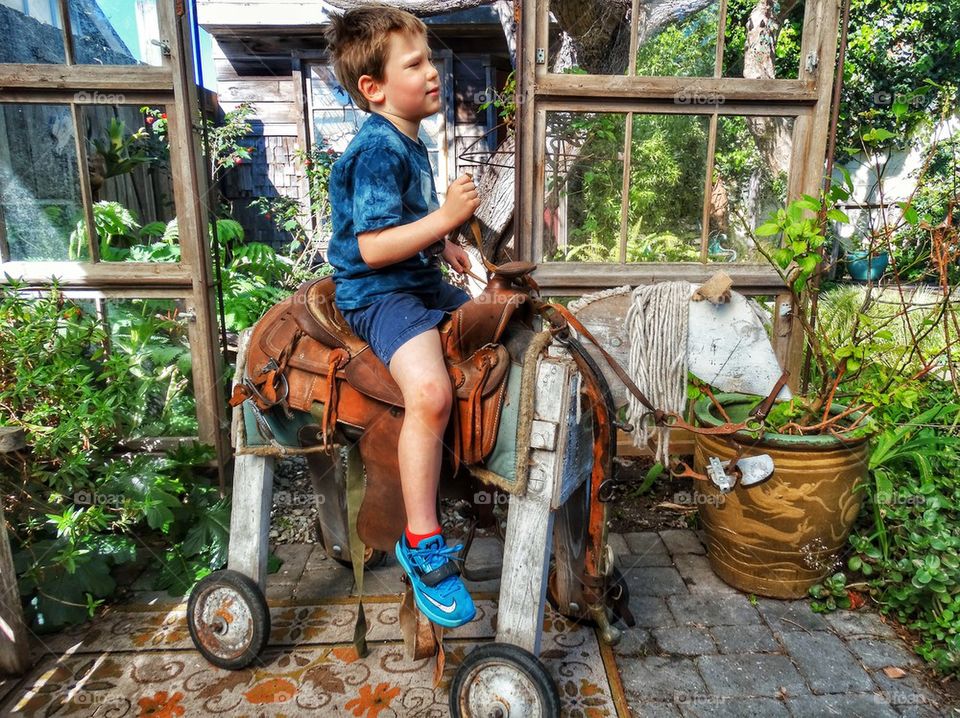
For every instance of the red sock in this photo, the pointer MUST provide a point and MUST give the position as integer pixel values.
(415, 539)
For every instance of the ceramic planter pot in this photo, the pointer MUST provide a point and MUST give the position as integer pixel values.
(863, 266)
(781, 536)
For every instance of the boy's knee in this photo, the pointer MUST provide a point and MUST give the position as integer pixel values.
(432, 396)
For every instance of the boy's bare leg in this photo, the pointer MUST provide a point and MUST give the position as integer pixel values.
(419, 370)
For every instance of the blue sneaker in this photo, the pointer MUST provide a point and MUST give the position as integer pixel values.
(437, 587)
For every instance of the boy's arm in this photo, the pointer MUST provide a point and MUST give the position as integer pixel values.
(383, 247)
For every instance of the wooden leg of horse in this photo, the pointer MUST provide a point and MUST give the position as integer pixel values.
(250, 516)
(526, 549)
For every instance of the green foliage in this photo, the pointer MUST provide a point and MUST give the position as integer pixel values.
(76, 507)
(120, 152)
(830, 595)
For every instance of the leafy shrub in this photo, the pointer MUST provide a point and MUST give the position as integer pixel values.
(76, 506)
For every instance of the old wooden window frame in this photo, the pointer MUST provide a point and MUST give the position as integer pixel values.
(806, 98)
(190, 281)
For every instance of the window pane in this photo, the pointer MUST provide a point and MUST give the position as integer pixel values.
(686, 47)
(130, 182)
(751, 170)
(40, 205)
(668, 162)
(153, 336)
(115, 32)
(583, 186)
(31, 32)
(752, 54)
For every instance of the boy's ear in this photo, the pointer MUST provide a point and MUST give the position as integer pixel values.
(370, 89)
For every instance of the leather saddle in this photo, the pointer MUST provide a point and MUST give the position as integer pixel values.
(304, 357)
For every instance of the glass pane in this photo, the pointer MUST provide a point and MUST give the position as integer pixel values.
(152, 335)
(337, 127)
(668, 168)
(130, 182)
(31, 31)
(115, 32)
(686, 47)
(583, 186)
(751, 170)
(40, 205)
(777, 59)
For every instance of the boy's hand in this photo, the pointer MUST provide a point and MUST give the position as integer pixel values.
(456, 256)
(461, 201)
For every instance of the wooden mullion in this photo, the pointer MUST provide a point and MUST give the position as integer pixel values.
(708, 189)
(103, 274)
(634, 37)
(301, 102)
(86, 191)
(721, 39)
(660, 107)
(4, 247)
(67, 30)
(191, 187)
(93, 78)
(798, 91)
(582, 277)
(524, 132)
(625, 187)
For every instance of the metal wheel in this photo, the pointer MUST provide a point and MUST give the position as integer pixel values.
(228, 619)
(500, 680)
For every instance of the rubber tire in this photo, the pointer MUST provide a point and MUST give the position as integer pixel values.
(528, 664)
(250, 593)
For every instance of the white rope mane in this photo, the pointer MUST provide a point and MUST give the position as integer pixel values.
(657, 326)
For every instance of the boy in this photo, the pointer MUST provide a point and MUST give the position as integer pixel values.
(387, 230)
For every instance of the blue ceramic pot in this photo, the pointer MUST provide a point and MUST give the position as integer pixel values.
(863, 267)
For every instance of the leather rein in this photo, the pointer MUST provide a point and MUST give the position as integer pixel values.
(561, 319)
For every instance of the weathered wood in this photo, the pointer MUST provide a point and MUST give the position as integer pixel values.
(92, 78)
(191, 190)
(526, 552)
(731, 89)
(575, 278)
(14, 640)
(250, 516)
(106, 274)
(12, 438)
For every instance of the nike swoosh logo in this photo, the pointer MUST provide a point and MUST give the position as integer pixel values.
(446, 609)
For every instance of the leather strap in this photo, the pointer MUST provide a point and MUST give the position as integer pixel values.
(432, 578)
(354, 481)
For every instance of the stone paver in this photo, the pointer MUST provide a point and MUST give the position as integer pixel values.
(725, 707)
(635, 642)
(294, 557)
(618, 543)
(787, 616)
(699, 577)
(651, 611)
(655, 709)
(751, 674)
(647, 549)
(859, 623)
(826, 663)
(684, 641)
(654, 581)
(681, 541)
(696, 609)
(880, 652)
(851, 705)
(906, 691)
(745, 639)
(661, 678)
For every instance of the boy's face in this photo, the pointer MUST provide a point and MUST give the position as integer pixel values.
(411, 84)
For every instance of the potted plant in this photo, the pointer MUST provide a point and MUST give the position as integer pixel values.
(782, 535)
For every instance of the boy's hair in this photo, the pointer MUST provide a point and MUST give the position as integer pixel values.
(358, 41)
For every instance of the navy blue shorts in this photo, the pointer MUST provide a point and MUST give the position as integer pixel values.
(390, 322)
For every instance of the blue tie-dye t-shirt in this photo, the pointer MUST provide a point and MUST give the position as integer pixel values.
(383, 179)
